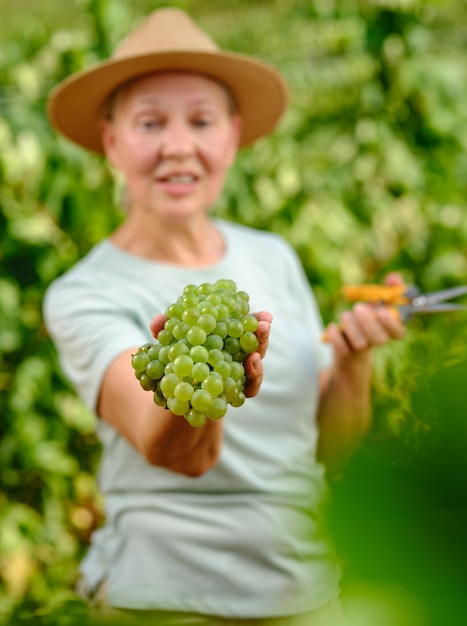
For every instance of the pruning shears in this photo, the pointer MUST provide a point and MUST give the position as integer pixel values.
(405, 301)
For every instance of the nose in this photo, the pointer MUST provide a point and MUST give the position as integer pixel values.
(178, 142)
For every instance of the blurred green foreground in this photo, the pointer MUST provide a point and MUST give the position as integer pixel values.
(401, 520)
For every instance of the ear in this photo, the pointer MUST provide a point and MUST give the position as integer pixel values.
(236, 133)
(108, 142)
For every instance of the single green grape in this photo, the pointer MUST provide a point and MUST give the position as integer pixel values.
(201, 400)
(249, 342)
(159, 398)
(238, 371)
(206, 308)
(182, 365)
(223, 368)
(238, 400)
(214, 298)
(139, 360)
(206, 288)
(230, 385)
(218, 409)
(196, 418)
(236, 311)
(250, 323)
(153, 351)
(227, 284)
(171, 323)
(174, 310)
(235, 328)
(183, 391)
(164, 337)
(163, 355)
(178, 407)
(200, 371)
(228, 301)
(215, 355)
(213, 384)
(207, 322)
(199, 354)
(196, 335)
(176, 349)
(148, 384)
(189, 300)
(220, 330)
(155, 369)
(214, 341)
(191, 315)
(244, 307)
(180, 330)
(231, 344)
(222, 312)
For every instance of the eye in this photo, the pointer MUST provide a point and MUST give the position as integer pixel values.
(150, 123)
(202, 121)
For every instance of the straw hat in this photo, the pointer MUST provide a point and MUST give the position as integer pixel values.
(167, 40)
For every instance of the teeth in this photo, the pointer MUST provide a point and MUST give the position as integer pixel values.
(183, 179)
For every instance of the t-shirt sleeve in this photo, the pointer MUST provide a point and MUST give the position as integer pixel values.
(89, 332)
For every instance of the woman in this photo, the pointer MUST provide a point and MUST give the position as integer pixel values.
(219, 523)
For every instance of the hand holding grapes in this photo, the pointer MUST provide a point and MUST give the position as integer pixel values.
(206, 354)
(253, 363)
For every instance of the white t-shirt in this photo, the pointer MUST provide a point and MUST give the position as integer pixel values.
(245, 539)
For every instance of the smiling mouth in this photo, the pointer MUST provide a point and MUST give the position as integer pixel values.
(179, 179)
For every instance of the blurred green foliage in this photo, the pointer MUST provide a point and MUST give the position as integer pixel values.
(367, 173)
(401, 524)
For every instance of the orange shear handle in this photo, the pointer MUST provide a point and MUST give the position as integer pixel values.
(383, 294)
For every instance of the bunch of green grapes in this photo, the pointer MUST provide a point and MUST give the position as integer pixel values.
(195, 366)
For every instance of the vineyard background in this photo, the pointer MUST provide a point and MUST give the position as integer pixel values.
(367, 173)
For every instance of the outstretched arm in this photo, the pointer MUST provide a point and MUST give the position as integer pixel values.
(165, 439)
(345, 405)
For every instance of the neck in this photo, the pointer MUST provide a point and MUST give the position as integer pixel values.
(197, 243)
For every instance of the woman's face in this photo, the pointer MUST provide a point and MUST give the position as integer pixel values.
(173, 136)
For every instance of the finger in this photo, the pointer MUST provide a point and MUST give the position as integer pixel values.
(254, 374)
(353, 327)
(335, 335)
(157, 324)
(391, 321)
(263, 330)
(393, 279)
(362, 328)
(263, 316)
(263, 336)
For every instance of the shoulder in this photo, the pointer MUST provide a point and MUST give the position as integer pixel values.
(89, 263)
(247, 235)
(66, 289)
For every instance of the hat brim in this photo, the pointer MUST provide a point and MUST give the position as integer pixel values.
(75, 105)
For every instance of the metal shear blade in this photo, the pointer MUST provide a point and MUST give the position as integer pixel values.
(433, 302)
